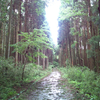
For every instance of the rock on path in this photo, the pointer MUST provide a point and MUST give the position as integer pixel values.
(49, 89)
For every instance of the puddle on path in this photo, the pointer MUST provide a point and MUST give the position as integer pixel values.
(49, 89)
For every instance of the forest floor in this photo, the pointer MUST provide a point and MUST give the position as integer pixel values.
(51, 88)
(63, 84)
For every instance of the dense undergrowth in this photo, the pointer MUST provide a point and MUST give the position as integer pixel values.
(87, 82)
(11, 82)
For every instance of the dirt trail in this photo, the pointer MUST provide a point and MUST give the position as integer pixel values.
(49, 89)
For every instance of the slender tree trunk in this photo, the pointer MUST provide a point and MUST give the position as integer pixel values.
(26, 16)
(77, 39)
(69, 42)
(90, 60)
(73, 54)
(4, 41)
(24, 67)
(9, 32)
(16, 54)
(38, 58)
(60, 51)
(47, 59)
(43, 60)
(84, 44)
(98, 60)
(19, 16)
(47, 62)
(2, 37)
(99, 7)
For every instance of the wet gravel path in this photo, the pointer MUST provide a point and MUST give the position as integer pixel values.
(49, 89)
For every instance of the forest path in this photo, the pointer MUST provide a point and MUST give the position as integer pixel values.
(50, 89)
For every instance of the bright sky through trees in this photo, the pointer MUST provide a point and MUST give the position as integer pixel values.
(52, 12)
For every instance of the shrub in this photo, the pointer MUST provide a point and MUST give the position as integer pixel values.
(11, 76)
(85, 80)
(56, 64)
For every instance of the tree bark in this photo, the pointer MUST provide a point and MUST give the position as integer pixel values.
(9, 32)
(43, 60)
(38, 58)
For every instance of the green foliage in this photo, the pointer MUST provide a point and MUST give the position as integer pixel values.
(51, 65)
(72, 30)
(96, 18)
(56, 64)
(3, 10)
(10, 76)
(33, 72)
(67, 62)
(94, 43)
(73, 12)
(38, 9)
(85, 81)
(6, 93)
(38, 74)
(33, 41)
(74, 44)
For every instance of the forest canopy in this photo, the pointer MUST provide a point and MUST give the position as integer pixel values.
(79, 33)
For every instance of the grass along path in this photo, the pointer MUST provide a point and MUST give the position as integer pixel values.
(49, 88)
(26, 88)
(83, 82)
(61, 84)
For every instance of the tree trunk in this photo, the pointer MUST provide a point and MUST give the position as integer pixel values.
(26, 16)
(69, 42)
(84, 44)
(24, 67)
(60, 51)
(76, 25)
(99, 7)
(90, 60)
(2, 37)
(4, 41)
(19, 17)
(43, 60)
(9, 32)
(16, 54)
(38, 58)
